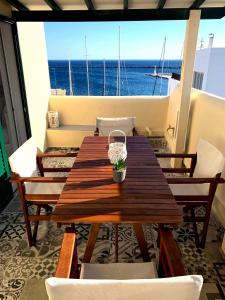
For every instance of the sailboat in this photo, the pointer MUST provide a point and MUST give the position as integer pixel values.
(161, 75)
(104, 79)
(70, 79)
(87, 67)
(118, 69)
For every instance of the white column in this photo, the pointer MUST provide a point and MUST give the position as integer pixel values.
(36, 76)
(190, 44)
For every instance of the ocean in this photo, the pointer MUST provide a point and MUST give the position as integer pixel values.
(135, 76)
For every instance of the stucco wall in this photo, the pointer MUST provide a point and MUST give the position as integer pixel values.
(36, 75)
(172, 117)
(82, 110)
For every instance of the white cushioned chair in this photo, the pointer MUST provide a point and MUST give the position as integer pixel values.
(123, 280)
(33, 188)
(105, 125)
(200, 188)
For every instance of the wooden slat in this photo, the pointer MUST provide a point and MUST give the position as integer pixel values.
(18, 5)
(197, 3)
(66, 256)
(89, 4)
(125, 4)
(159, 219)
(161, 4)
(53, 5)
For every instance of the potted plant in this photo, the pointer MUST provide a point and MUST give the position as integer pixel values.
(119, 170)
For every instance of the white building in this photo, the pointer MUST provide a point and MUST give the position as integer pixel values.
(209, 70)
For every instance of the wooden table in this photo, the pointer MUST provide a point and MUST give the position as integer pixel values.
(90, 195)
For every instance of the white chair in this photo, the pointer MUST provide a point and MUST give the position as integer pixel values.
(33, 187)
(205, 172)
(123, 280)
(105, 125)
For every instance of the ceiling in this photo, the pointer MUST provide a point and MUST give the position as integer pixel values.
(113, 4)
(113, 10)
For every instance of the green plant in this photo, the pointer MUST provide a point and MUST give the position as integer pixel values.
(120, 165)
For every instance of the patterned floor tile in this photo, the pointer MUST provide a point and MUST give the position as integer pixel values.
(19, 263)
(14, 231)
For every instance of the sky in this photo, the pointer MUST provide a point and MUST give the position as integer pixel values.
(139, 40)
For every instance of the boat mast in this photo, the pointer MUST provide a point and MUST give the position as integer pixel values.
(163, 61)
(70, 79)
(118, 71)
(104, 78)
(87, 68)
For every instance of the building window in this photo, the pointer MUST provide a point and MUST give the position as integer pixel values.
(197, 80)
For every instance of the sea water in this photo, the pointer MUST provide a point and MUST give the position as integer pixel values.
(135, 76)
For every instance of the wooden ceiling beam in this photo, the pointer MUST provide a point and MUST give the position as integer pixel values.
(115, 15)
(161, 4)
(89, 4)
(18, 5)
(197, 4)
(125, 4)
(53, 4)
(6, 19)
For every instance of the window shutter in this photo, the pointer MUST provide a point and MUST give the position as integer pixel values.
(4, 166)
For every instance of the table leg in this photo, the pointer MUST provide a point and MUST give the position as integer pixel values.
(141, 241)
(91, 242)
(116, 242)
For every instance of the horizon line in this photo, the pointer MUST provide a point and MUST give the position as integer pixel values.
(113, 59)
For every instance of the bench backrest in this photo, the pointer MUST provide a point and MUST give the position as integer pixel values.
(182, 288)
(23, 160)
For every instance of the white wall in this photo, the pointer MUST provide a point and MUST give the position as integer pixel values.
(216, 75)
(211, 62)
(202, 59)
(36, 75)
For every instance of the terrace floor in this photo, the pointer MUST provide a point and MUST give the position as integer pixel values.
(23, 269)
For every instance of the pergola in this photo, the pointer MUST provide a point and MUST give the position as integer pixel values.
(109, 10)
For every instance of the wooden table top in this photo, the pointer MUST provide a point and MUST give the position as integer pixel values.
(91, 195)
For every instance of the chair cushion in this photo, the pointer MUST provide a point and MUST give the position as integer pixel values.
(189, 189)
(182, 288)
(210, 161)
(105, 125)
(23, 160)
(119, 271)
(43, 188)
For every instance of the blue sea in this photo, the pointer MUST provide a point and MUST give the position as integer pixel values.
(135, 76)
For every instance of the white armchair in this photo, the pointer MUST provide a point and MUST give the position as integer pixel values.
(200, 188)
(33, 188)
(123, 280)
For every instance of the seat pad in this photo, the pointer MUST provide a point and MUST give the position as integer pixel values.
(44, 188)
(190, 189)
(119, 271)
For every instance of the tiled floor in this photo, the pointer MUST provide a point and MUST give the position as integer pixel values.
(20, 264)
